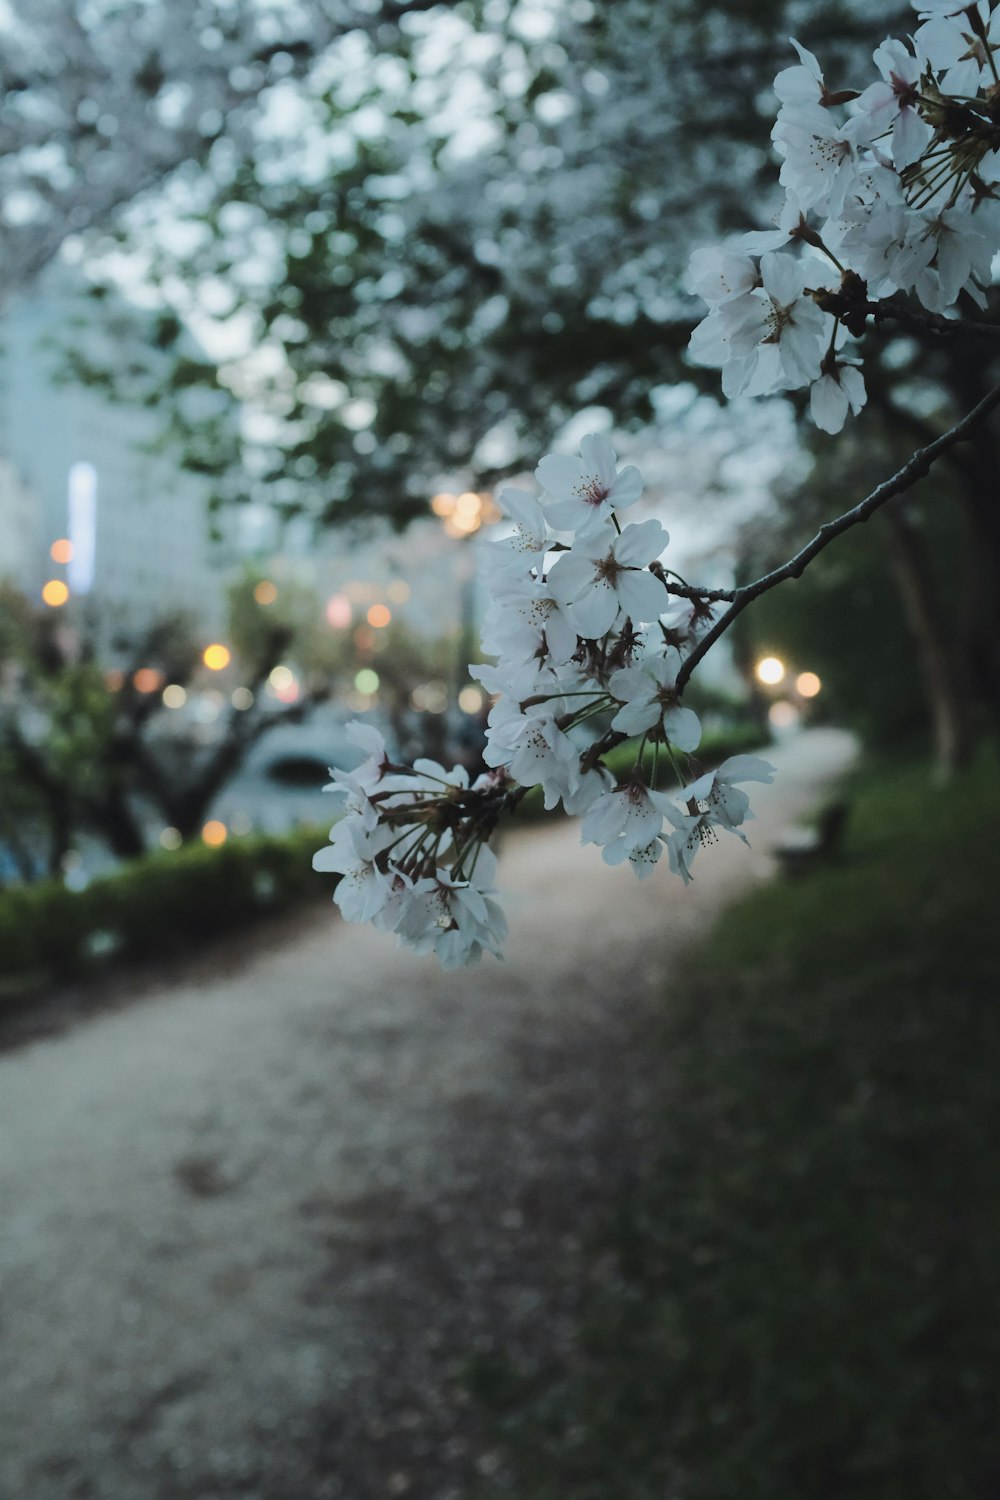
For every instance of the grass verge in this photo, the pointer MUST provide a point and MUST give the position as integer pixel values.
(803, 1300)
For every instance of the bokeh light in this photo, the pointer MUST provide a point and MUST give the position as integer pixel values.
(214, 833)
(366, 681)
(281, 678)
(807, 684)
(338, 611)
(242, 699)
(783, 715)
(770, 670)
(470, 700)
(266, 592)
(61, 550)
(379, 616)
(216, 657)
(170, 838)
(147, 680)
(174, 696)
(430, 698)
(55, 593)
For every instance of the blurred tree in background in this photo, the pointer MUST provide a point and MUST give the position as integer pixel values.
(430, 233)
(89, 751)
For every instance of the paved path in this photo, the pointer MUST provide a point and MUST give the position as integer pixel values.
(253, 1226)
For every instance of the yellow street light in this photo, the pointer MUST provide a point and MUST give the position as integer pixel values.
(216, 657)
(770, 671)
(55, 593)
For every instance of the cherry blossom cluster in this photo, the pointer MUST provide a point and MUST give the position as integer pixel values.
(589, 645)
(893, 189)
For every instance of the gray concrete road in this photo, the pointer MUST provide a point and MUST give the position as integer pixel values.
(255, 1224)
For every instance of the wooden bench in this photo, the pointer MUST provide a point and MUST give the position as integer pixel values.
(804, 848)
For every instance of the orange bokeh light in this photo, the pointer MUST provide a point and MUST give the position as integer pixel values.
(55, 593)
(147, 680)
(266, 592)
(61, 550)
(214, 833)
(216, 657)
(379, 616)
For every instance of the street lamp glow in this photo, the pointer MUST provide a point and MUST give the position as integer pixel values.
(771, 671)
(807, 684)
(783, 715)
(55, 593)
(216, 657)
(147, 680)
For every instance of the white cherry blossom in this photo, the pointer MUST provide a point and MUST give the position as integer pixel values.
(782, 315)
(624, 820)
(840, 389)
(352, 852)
(820, 156)
(648, 696)
(603, 575)
(587, 489)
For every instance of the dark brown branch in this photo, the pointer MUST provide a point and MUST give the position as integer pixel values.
(915, 468)
(928, 322)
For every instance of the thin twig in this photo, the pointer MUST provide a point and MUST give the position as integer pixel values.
(915, 468)
(692, 591)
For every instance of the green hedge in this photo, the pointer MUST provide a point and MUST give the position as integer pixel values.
(158, 904)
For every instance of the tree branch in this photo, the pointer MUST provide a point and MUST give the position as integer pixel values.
(928, 322)
(915, 468)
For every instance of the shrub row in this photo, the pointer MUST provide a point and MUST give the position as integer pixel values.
(158, 904)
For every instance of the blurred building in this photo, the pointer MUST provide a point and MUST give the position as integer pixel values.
(85, 499)
(21, 548)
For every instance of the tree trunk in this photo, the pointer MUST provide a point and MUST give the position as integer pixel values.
(979, 492)
(943, 677)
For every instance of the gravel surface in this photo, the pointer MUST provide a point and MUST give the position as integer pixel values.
(255, 1224)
